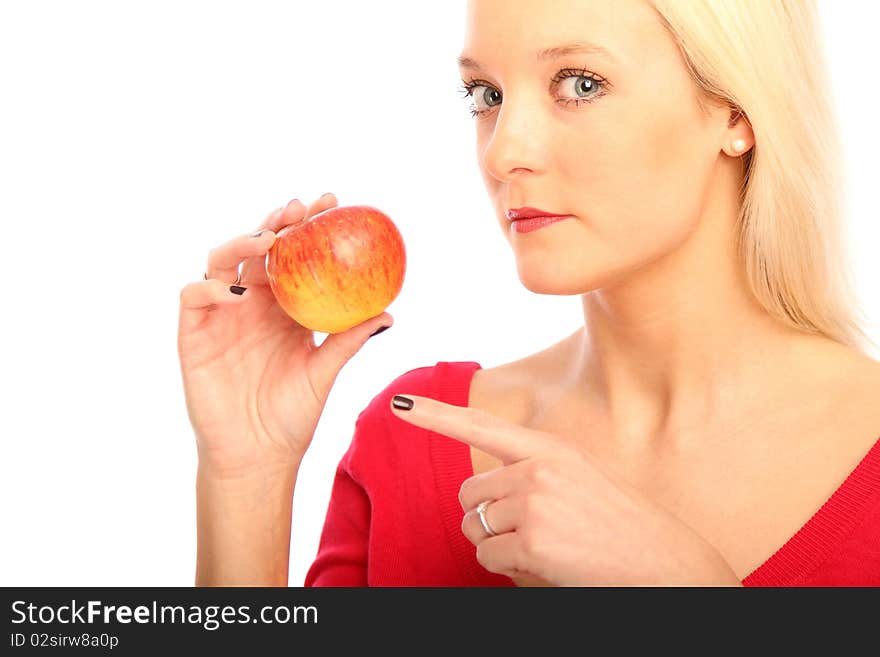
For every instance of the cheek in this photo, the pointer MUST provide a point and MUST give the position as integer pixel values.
(643, 185)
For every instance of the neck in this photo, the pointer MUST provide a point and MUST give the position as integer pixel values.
(680, 344)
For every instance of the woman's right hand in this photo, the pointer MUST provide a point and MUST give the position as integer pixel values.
(255, 382)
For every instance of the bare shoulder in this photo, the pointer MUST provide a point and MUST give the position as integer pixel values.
(508, 390)
(840, 385)
(500, 391)
(853, 374)
(866, 390)
(850, 379)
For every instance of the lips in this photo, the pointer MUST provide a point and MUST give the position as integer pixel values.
(530, 213)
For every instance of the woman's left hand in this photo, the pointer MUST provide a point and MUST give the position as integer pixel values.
(559, 517)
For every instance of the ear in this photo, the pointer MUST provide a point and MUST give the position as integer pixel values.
(739, 137)
(735, 114)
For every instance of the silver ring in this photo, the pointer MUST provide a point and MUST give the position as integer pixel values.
(481, 512)
(237, 278)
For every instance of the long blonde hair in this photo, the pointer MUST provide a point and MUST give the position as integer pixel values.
(765, 59)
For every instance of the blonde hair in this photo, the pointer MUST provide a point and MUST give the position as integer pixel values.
(765, 59)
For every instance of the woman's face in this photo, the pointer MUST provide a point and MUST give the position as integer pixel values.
(618, 141)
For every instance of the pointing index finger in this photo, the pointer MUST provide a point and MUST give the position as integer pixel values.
(501, 438)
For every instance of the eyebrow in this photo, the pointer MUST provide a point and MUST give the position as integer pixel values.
(583, 47)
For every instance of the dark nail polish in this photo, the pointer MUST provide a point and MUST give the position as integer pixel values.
(379, 330)
(402, 403)
(258, 233)
(237, 289)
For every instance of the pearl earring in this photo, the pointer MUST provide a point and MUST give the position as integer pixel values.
(739, 145)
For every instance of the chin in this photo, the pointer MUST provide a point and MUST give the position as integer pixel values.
(549, 279)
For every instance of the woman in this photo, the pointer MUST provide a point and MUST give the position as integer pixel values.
(715, 420)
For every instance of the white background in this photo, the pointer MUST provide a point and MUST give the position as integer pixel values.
(135, 137)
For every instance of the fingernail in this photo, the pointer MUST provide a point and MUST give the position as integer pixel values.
(379, 330)
(325, 194)
(237, 289)
(258, 233)
(402, 403)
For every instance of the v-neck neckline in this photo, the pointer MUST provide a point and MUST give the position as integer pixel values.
(795, 560)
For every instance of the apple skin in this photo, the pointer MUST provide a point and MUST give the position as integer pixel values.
(337, 269)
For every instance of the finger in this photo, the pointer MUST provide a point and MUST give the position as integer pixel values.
(296, 211)
(199, 298)
(224, 260)
(254, 269)
(202, 294)
(338, 348)
(502, 516)
(324, 202)
(492, 434)
(293, 212)
(494, 484)
(502, 554)
(272, 220)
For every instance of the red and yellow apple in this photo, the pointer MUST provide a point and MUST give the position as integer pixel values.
(338, 268)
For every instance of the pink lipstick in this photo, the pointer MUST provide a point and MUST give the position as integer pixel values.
(526, 219)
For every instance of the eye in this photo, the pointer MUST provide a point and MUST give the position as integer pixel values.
(585, 87)
(479, 90)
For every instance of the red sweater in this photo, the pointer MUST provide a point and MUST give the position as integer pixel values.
(394, 518)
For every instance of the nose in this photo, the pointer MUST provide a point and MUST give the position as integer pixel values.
(517, 144)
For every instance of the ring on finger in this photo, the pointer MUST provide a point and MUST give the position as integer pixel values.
(237, 278)
(481, 513)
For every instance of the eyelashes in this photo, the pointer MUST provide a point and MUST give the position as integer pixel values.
(596, 82)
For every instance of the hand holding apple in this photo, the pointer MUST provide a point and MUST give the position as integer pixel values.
(259, 416)
(255, 385)
(338, 268)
